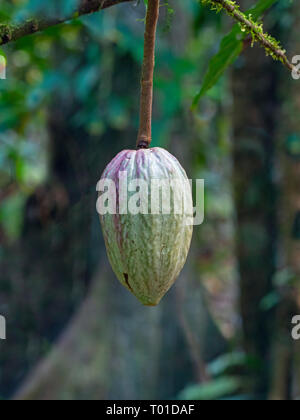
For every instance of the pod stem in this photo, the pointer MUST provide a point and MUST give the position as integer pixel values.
(144, 135)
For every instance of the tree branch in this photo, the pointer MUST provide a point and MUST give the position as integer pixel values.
(247, 24)
(12, 32)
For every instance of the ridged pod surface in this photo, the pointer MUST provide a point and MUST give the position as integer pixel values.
(148, 251)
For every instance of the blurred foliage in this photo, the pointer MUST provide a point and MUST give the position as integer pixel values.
(228, 378)
(85, 62)
(213, 390)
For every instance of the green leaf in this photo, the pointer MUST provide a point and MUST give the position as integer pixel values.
(260, 8)
(227, 361)
(11, 215)
(216, 389)
(230, 48)
(270, 301)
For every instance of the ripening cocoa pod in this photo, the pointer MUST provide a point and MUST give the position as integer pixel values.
(149, 236)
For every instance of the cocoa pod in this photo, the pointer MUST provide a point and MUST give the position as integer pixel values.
(147, 251)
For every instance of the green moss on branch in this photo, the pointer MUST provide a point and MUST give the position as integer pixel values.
(11, 32)
(6, 31)
(252, 27)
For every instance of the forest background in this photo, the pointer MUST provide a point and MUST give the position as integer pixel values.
(68, 105)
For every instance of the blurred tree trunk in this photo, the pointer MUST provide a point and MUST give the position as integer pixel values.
(114, 348)
(102, 354)
(254, 115)
(286, 363)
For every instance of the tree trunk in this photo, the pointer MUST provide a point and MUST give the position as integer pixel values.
(286, 376)
(115, 348)
(255, 108)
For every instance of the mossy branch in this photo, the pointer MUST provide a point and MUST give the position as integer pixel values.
(254, 28)
(11, 32)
